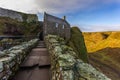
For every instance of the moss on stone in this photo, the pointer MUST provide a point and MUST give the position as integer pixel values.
(25, 28)
(77, 43)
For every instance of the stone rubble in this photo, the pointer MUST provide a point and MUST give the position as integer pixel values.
(11, 59)
(65, 65)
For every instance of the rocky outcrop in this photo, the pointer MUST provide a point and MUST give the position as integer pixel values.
(11, 29)
(11, 14)
(17, 15)
(78, 44)
(10, 59)
(65, 65)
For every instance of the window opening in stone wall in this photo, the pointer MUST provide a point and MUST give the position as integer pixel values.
(63, 26)
(56, 25)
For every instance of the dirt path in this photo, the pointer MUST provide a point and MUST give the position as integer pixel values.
(36, 66)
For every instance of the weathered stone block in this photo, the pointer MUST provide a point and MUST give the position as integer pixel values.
(10, 59)
(65, 65)
(56, 26)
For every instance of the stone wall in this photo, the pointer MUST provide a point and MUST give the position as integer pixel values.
(56, 26)
(10, 59)
(65, 65)
(18, 15)
(11, 14)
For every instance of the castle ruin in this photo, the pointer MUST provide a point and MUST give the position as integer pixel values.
(56, 26)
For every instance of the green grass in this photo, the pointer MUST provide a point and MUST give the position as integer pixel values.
(31, 28)
(77, 43)
(108, 56)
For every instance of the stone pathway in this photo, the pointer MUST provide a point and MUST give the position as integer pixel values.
(36, 66)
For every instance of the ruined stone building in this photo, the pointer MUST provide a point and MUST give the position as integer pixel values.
(56, 26)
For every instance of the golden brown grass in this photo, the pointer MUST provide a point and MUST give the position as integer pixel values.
(100, 40)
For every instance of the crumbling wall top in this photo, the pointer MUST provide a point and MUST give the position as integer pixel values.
(56, 26)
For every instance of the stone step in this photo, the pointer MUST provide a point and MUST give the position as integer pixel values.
(41, 42)
(36, 66)
(41, 47)
(34, 73)
(36, 61)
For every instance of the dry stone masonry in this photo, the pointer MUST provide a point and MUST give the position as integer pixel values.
(56, 26)
(65, 65)
(10, 59)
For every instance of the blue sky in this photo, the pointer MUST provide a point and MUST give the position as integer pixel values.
(88, 15)
(103, 18)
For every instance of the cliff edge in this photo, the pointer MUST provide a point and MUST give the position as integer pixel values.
(77, 43)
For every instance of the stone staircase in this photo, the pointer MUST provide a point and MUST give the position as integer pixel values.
(41, 45)
(36, 66)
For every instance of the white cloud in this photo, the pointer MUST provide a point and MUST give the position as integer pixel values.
(52, 6)
(96, 28)
(28, 6)
(62, 6)
(59, 7)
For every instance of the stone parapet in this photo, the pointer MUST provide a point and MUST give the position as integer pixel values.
(11, 59)
(65, 65)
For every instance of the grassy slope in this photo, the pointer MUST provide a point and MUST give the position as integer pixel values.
(105, 49)
(107, 61)
(6, 20)
(31, 28)
(99, 40)
(77, 43)
(91, 39)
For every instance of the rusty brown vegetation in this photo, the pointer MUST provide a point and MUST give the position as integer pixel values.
(104, 49)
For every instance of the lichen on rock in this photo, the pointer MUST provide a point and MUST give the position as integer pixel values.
(10, 59)
(65, 64)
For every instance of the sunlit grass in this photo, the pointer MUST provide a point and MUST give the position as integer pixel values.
(98, 41)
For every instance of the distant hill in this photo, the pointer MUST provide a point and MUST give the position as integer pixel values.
(18, 15)
(99, 40)
(18, 23)
(10, 26)
(104, 52)
(107, 61)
